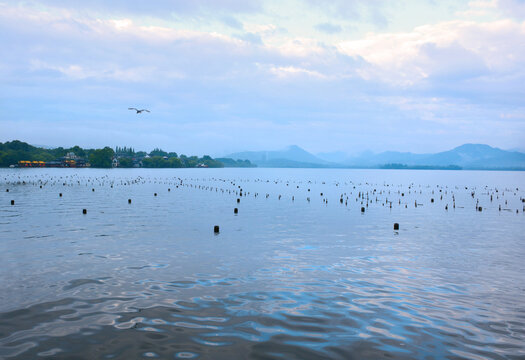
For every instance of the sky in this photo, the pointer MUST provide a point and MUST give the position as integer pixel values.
(221, 76)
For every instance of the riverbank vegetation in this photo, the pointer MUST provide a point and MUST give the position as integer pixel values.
(13, 152)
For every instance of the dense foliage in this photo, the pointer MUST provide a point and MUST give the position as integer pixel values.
(124, 151)
(102, 158)
(125, 163)
(160, 162)
(235, 163)
(13, 152)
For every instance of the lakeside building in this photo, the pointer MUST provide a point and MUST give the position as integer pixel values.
(68, 161)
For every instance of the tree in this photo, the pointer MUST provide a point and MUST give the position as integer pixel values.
(13, 152)
(10, 158)
(125, 162)
(124, 151)
(154, 162)
(158, 152)
(59, 152)
(192, 161)
(175, 162)
(78, 151)
(102, 158)
(208, 161)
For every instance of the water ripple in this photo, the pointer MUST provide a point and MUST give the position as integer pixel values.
(307, 279)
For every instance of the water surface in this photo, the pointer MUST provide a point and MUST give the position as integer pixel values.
(294, 275)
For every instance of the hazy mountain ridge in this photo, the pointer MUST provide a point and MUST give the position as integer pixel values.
(467, 156)
(292, 156)
(333, 157)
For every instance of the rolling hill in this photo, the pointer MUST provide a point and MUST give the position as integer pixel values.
(467, 156)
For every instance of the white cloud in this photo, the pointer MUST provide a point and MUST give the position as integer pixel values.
(263, 29)
(292, 71)
(302, 47)
(479, 8)
(456, 48)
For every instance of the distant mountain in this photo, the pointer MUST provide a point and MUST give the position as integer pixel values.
(468, 156)
(334, 157)
(292, 156)
(369, 159)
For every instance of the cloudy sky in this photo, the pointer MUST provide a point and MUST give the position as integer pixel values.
(228, 75)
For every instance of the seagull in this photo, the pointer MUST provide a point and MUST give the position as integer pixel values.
(139, 111)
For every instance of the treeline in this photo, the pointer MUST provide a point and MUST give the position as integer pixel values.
(180, 162)
(14, 151)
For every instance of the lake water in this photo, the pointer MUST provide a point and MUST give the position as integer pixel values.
(303, 276)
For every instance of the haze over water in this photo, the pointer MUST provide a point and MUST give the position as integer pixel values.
(285, 278)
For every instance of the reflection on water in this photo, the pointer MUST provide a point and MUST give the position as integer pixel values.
(294, 275)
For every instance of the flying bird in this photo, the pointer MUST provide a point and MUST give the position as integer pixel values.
(139, 111)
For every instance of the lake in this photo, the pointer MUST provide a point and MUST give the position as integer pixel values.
(300, 272)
